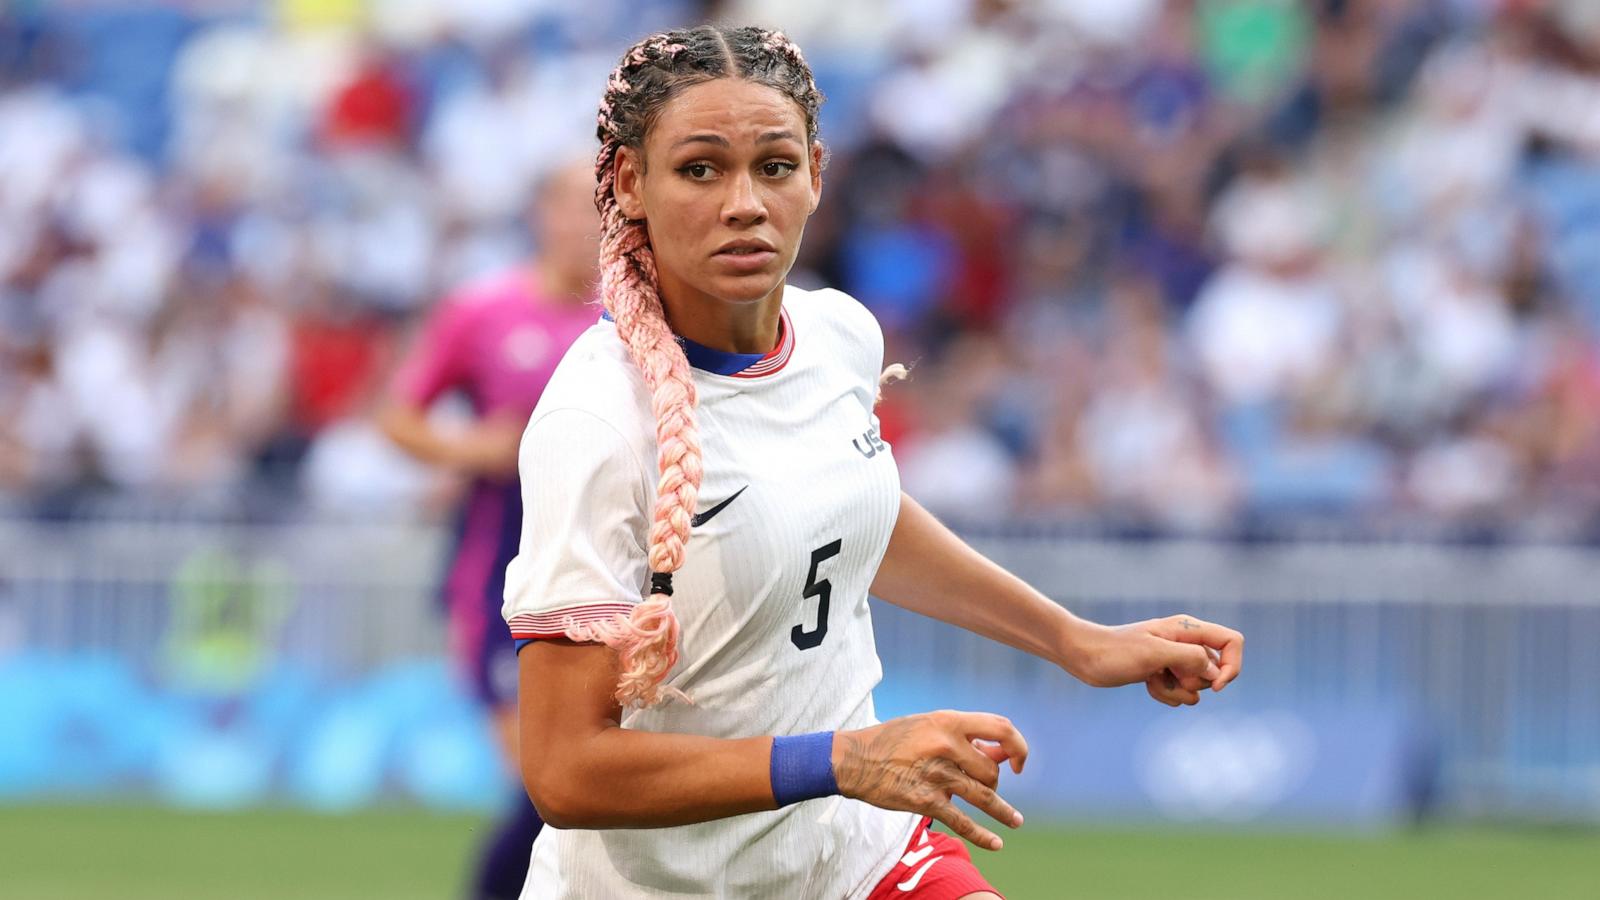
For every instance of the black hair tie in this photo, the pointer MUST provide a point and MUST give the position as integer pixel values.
(661, 583)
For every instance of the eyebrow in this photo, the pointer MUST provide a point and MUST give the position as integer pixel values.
(720, 141)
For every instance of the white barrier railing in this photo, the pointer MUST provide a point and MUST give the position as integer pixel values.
(1495, 648)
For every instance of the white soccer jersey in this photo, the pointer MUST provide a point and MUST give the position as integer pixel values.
(796, 505)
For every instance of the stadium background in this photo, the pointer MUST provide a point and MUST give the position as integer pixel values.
(1280, 313)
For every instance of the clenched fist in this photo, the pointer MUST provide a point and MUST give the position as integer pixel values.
(1176, 657)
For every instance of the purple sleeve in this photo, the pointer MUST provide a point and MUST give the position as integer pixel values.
(431, 366)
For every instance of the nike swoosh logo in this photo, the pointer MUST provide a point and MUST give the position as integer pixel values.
(702, 518)
(910, 884)
(915, 856)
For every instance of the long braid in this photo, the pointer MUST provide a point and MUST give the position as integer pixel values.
(646, 640)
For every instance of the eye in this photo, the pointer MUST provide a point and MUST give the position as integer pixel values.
(777, 168)
(696, 171)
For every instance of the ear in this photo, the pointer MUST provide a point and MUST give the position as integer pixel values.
(818, 154)
(628, 186)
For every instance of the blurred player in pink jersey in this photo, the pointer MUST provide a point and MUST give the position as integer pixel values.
(496, 341)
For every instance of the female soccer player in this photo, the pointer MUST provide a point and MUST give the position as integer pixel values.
(497, 340)
(696, 677)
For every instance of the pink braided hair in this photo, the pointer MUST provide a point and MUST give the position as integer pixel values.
(646, 640)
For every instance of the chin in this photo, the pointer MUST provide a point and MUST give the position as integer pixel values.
(745, 288)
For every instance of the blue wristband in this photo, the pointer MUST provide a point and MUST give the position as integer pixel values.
(802, 768)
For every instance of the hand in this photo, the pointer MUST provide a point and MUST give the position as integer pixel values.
(918, 763)
(1176, 657)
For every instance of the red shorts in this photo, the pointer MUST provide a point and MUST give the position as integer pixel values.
(935, 866)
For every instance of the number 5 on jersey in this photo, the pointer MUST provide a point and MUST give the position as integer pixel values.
(823, 591)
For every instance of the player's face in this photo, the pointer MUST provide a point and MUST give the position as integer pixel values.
(725, 188)
(566, 221)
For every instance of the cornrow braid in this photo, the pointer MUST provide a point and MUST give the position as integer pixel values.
(649, 74)
(778, 43)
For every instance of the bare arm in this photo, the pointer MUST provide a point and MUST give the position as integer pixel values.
(489, 448)
(583, 770)
(929, 570)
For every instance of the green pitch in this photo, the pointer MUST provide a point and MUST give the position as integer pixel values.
(55, 853)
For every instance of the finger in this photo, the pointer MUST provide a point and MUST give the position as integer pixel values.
(992, 750)
(1188, 661)
(1232, 654)
(963, 825)
(1155, 692)
(977, 764)
(1230, 643)
(995, 728)
(984, 798)
(1189, 682)
(1168, 690)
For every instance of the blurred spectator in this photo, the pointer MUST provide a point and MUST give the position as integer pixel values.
(375, 106)
(1169, 261)
(1144, 445)
(1268, 322)
(955, 465)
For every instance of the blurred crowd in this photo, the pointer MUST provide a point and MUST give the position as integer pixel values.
(1170, 263)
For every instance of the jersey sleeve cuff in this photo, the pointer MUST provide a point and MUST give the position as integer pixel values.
(553, 624)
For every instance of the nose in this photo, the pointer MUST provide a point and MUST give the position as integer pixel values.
(743, 204)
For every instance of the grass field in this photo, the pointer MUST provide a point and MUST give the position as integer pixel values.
(55, 853)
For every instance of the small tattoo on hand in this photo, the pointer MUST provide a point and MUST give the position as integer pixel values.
(1188, 624)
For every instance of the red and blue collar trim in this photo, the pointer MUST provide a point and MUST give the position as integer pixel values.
(739, 365)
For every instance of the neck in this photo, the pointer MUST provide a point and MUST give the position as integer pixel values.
(562, 284)
(750, 327)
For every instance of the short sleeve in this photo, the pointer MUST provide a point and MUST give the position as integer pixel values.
(583, 551)
(860, 338)
(430, 367)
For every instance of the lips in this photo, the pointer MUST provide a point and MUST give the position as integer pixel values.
(746, 245)
(746, 255)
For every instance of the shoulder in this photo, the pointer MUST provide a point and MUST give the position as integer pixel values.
(596, 380)
(842, 324)
(831, 307)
